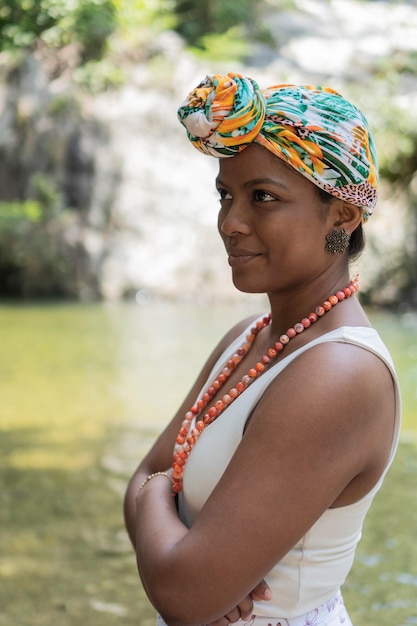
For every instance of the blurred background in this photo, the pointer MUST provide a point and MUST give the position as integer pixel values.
(114, 286)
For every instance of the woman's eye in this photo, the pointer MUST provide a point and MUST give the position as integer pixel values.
(224, 195)
(264, 196)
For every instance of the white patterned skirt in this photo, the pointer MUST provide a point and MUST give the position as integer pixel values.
(330, 613)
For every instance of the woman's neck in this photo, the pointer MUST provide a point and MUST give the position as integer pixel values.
(290, 306)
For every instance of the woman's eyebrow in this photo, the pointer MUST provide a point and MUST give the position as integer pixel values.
(270, 181)
(257, 181)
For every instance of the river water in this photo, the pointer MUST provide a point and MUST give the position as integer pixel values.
(84, 389)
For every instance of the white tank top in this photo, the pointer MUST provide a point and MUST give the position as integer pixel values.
(316, 567)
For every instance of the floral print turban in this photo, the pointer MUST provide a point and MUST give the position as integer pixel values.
(314, 129)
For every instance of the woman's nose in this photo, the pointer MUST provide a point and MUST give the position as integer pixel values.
(233, 220)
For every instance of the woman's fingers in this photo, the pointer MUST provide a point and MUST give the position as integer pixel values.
(241, 611)
(244, 609)
(262, 592)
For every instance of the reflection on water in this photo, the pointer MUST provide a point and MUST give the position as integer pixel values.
(78, 366)
(84, 389)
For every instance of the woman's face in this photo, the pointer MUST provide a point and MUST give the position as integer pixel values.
(272, 222)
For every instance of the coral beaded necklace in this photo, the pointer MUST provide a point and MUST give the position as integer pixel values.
(188, 435)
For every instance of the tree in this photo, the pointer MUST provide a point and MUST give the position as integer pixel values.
(23, 24)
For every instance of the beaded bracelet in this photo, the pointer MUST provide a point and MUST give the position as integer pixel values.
(148, 478)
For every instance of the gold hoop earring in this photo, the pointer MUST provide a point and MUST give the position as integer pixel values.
(337, 241)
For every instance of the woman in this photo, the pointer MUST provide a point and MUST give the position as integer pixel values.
(287, 433)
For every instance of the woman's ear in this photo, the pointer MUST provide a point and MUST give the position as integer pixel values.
(348, 216)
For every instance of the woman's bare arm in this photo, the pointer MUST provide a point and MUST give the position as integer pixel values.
(320, 433)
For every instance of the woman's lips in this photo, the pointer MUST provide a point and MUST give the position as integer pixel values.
(237, 259)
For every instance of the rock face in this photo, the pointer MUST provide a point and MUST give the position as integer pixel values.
(49, 153)
(128, 205)
(165, 207)
(119, 183)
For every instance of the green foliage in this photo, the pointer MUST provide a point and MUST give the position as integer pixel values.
(31, 235)
(398, 144)
(94, 22)
(198, 19)
(13, 212)
(47, 194)
(57, 23)
(45, 204)
(96, 76)
(138, 21)
(213, 26)
(394, 120)
(22, 21)
(286, 5)
(229, 45)
(393, 117)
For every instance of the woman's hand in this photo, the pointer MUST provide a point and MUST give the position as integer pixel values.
(244, 609)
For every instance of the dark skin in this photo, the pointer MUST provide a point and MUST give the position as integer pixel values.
(334, 392)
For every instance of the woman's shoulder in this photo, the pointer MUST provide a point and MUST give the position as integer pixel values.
(349, 356)
(362, 341)
(335, 398)
(347, 371)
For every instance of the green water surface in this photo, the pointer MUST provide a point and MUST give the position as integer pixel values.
(84, 389)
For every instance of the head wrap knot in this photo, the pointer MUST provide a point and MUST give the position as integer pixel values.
(314, 129)
(223, 114)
